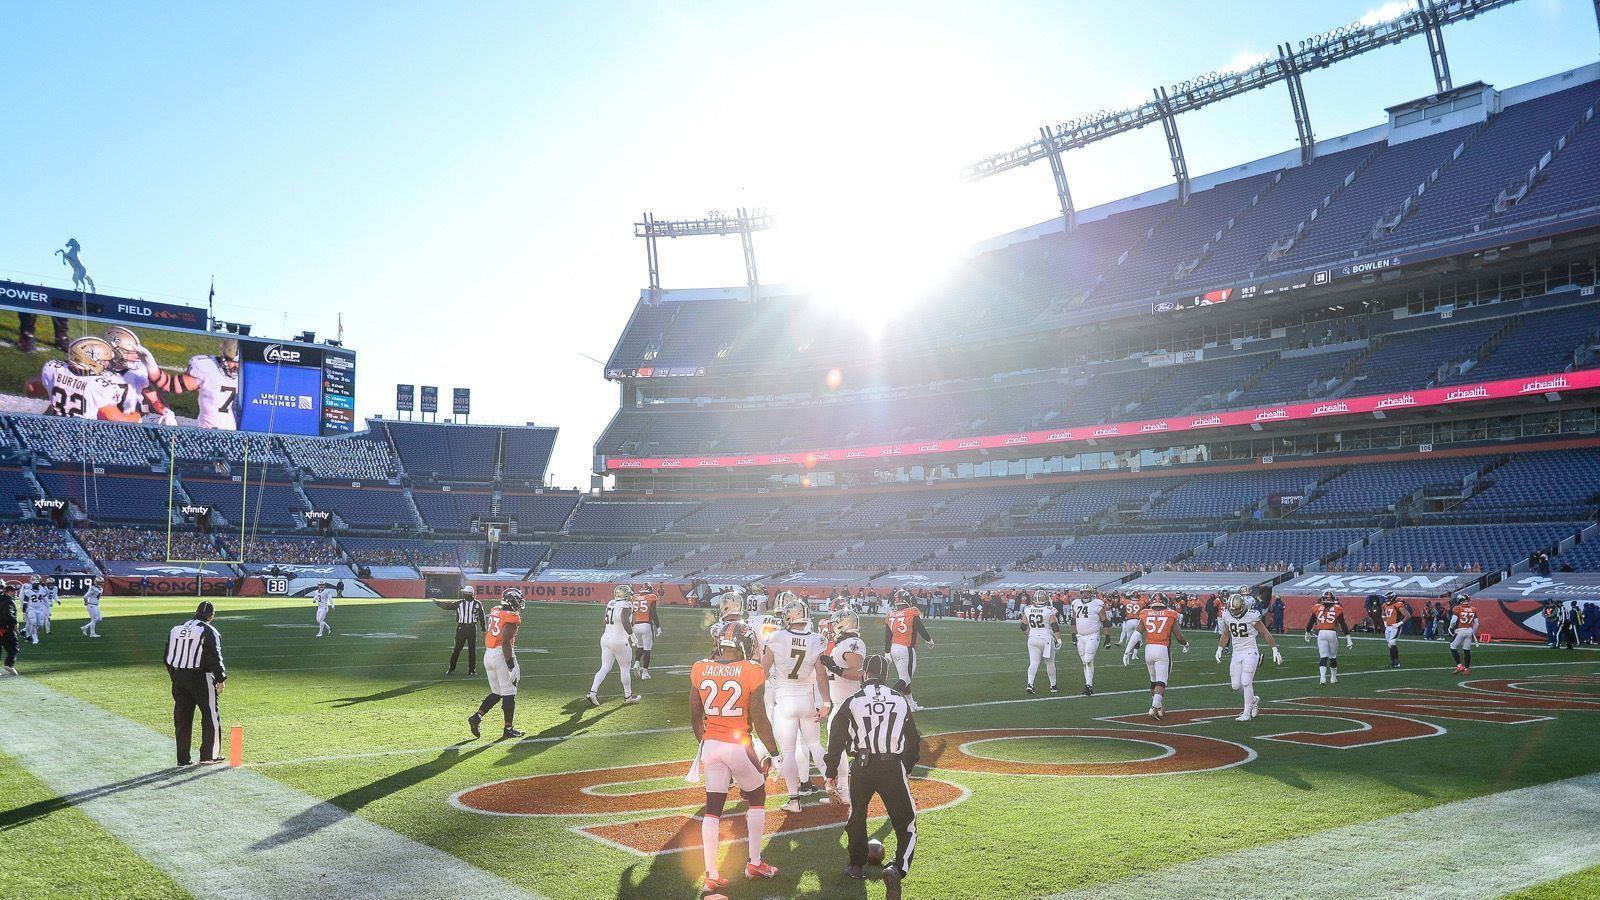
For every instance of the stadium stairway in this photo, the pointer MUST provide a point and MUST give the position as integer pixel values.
(1395, 218)
(1285, 243)
(416, 513)
(1198, 259)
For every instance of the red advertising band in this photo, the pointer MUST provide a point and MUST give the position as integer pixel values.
(1343, 406)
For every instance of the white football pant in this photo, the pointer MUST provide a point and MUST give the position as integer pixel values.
(1391, 633)
(1157, 662)
(614, 651)
(1041, 646)
(1462, 640)
(644, 636)
(322, 622)
(905, 662)
(799, 738)
(1328, 643)
(502, 678)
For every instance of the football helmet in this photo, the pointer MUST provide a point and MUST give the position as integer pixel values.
(733, 635)
(1158, 599)
(730, 604)
(1237, 604)
(35, 580)
(1390, 596)
(1463, 599)
(1327, 598)
(1041, 598)
(795, 611)
(847, 621)
(125, 348)
(512, 598)
(828, 629)
(90, 355)
(902, 599)
(99, 580)
(622, 592)
(228, 356)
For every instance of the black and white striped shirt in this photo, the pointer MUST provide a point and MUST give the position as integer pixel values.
(195, 646)
(876, 722)
(467, 609)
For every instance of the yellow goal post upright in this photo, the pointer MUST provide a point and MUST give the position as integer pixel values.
(172, 493)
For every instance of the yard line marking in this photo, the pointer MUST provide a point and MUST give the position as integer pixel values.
(973, 705)
(220, 833)
(1524, 837)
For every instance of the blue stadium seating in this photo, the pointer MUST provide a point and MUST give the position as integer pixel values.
(368, 506)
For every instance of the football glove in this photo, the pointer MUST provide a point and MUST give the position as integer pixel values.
(168, 417)
(1308, 637)
(1058, 643)
(1186, 648)
(1277, 658)
(1349, 642)
(1219, 654)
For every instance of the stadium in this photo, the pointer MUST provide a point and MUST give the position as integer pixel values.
(1346, 390)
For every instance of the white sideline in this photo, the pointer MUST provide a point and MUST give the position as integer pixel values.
(219, 832)
(1482, 847)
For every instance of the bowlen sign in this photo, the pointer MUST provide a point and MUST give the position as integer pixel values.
(1345, 406)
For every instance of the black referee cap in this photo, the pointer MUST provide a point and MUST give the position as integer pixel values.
(205, 609)
(875, 667)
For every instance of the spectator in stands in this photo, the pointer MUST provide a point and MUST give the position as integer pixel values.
(1540, 561)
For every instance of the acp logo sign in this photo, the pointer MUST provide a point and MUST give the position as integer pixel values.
(277, 353)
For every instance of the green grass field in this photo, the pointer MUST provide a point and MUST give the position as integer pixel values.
(366, 721)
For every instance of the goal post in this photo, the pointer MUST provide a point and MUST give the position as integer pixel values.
(175, 511)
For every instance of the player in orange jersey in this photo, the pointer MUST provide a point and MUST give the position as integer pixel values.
(500, 662)
(1327, 620)
(1159, 628)
(646, 628)
(901, 629)
(729, 716)
(1464, 622)
(1132, 606)
(1395, 613)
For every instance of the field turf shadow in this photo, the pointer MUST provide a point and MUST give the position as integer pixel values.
(390, 694)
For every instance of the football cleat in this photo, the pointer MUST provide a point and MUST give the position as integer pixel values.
(513, 733)
(1242, 717)
(760, 870)
(1155, 713)
(1088, 690)
(632, 698)
(915, 706)
(715, 883)
(792, 805)
(1460, 668)
(644, 674)
(473, 722)
(1255, 707)
(1054, 689)
(1466, 671)
(594, 699)
(1334, 678)
(1323, 678)
(1030, 690)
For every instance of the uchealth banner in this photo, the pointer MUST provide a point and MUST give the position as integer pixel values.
(1580, 586)
(1343, 406)
(1199, 582)
(1360, 584)
(1054, 581)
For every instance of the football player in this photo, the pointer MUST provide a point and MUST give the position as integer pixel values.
(1240, 625)
(646, 628)
(1158, 626)
(843, 659)
(323, 598)
(902, 627)
(134, 363)
(1043, 630)
(791, 655)
(616, 647)
(1132, 606)
(500, 663)
(215, 378)
(728, 714)
(83, 386)
(1088, 620)
(33, 608)
(91, 603)
(51, 593)
(1327, 620)
(1464, 623)
(1395, 614)
(756, 600)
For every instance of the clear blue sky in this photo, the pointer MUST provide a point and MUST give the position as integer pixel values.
(459, 179)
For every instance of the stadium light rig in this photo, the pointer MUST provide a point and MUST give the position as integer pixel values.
(1388, 26)
(743, 222)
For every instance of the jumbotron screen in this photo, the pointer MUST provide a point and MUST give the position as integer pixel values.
(139, 361)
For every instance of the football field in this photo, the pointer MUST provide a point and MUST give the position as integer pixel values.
(360, 777)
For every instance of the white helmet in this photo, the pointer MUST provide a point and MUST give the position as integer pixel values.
(846, 621)
(622, 592)
(1237, 604)
(730, 604)
(90, 355)
(796, 614)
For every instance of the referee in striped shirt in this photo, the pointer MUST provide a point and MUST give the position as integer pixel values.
(469, 621)
(876, 727)
(194, 662)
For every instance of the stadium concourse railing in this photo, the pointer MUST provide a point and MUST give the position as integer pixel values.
(1344, 406)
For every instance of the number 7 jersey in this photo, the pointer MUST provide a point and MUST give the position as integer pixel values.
(218, 393)
(726, 690)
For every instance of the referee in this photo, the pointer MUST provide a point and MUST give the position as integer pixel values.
(469, 621)
(194, 662)
(875, 726)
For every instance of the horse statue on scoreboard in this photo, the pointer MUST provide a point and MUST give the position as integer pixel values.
(69, 257)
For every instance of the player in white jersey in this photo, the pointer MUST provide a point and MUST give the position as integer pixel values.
(134, 363)
(83, 386)
(215, 379)
(1043, 629)
(616, 647)
(756, 603)
(323, 597)
(52, 599)
(27, 596)
(845, 656)
(791, 654)
(1240, 623)
(91, 604)
(1088, 620)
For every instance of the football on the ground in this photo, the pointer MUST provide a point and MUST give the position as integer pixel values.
(875, 852)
